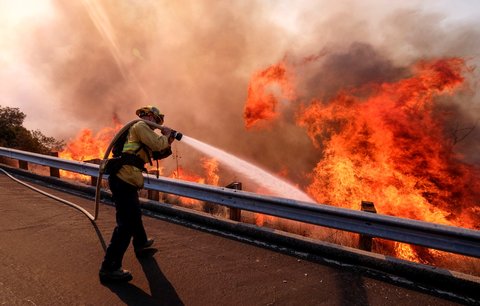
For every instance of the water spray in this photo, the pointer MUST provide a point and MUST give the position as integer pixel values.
(252, 172)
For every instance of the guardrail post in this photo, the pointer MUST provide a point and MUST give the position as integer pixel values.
(93, 179)
(23, 164)
(365, 241)
(55, 172)
(153, 194)
(235, 214)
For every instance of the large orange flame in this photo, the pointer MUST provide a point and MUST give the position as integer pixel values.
(391, 148)
(388, 144)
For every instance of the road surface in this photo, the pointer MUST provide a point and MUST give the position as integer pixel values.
(50, 254)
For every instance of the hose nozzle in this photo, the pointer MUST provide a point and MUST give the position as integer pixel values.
(176, 135)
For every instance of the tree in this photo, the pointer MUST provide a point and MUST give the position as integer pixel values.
(14, 135)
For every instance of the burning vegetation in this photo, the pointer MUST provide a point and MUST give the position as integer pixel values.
(360, 119)
(354, 121)
(388, 143)
(391, 143)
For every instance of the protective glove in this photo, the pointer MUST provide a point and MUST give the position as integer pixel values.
(166, 131)
(172, 136)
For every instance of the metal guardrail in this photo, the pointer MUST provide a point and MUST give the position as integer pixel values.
(442, 237)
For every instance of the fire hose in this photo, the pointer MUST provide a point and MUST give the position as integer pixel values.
(50, 195)
(77, 207)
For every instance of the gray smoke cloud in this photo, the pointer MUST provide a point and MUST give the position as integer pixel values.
(96, 60)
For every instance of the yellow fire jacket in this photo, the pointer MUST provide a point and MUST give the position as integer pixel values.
(140, 133)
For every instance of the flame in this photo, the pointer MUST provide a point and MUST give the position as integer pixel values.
(182, 174)
(405, 251)
(265, 89)
(391, 148)
(387, 143)
(86, 146)
(210, 165)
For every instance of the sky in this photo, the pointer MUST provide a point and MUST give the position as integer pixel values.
(70, 65)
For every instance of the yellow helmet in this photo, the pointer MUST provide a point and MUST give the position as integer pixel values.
(146, 110)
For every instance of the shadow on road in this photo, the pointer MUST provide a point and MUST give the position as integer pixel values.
(162, 291)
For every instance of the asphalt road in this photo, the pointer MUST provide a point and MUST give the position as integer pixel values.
(50, 254)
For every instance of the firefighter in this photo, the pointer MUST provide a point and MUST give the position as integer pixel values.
(142, 143)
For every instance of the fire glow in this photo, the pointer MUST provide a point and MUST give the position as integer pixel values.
(262, 101)
(210, 166)
(386, 143)
(88, 146)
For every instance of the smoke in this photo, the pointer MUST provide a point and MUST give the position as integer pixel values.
(90, 61)
(190, 59)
